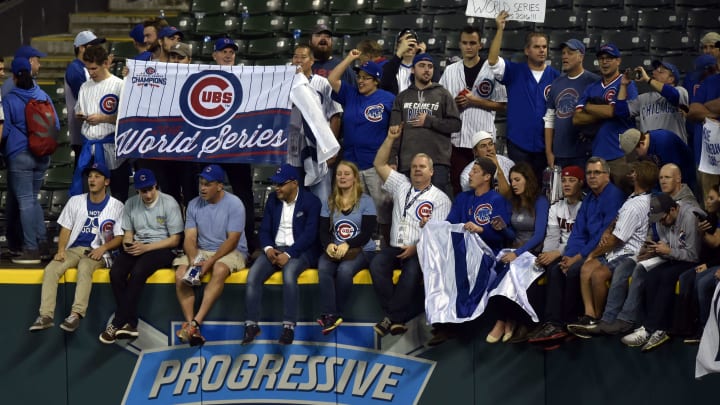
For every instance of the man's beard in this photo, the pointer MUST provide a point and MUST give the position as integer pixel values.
(322, 55)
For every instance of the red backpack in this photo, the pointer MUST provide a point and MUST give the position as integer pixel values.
(40, 121)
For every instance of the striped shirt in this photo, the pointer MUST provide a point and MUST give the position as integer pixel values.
(296, 139)
(403, 77)
(431, 202)
(473, 118)
(631, 226)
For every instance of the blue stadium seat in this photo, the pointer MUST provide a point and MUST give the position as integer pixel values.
(610, 19)
(659, 19)
(563, 20)
(213, 6)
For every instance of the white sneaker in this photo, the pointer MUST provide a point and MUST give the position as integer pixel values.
(636, 339)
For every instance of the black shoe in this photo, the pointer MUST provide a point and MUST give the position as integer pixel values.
(582, 327)
(382, 328)
(617, 327)
(441, 333)
(27, 257)
(251, 332)
(397, 329)
(520, 334)
(287, 336)
(549, 332)
(329, 323)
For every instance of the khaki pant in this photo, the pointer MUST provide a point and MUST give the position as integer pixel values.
(74, 257)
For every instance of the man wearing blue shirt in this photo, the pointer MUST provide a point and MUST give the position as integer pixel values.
(527, 86)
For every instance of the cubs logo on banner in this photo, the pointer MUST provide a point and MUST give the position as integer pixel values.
(209, 113)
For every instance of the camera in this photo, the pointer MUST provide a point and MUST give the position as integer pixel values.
(637, 74)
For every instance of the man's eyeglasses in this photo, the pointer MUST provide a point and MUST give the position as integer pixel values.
(595, 172)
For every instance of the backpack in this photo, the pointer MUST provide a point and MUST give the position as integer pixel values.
(40, 121)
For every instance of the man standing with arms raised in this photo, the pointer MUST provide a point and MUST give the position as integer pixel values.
(527, 85)
(477, 95)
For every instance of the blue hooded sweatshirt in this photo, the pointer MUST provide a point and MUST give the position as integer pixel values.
(15, 131)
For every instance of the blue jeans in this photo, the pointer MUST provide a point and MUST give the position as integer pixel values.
(705, 283)
(28, 172)
(336, 280)
(260, 271)
(622, 269)
(632, 306)
(395, 300)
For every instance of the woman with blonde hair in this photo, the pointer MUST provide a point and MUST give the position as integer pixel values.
(347, 222)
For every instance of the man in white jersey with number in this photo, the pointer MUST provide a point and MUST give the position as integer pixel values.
(477, 95)
(416, 201)
(97, 109)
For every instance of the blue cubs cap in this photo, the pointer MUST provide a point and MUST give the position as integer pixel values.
(223, 43)
(98, 167)
(170, 31)
(574, 45)
(20, 64)
(704, 61)
(422, 57)
(144, 178)
(284, 174)
(669, 66)
(372, 68)
(609, 49)
(213, 173)
(27, 51)
(137, 33)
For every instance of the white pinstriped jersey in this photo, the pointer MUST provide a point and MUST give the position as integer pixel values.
(433, 203)
(99, 98)
(473, 118)
(631, 226)
(296, 141)
(74, 217)
(403, 77)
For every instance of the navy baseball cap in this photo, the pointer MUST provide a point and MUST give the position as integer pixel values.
(213, 173)
(372, 68)
(404, 32)
(98, 167)
(144, 178)
(320, 28)
(223, 43)
(284, 174)
(609, 49)
(27, 51)
(669, 66)
(574, 45)
(422, 57)
(704, 61)
(20, 64)
(170, 31)
(137, 33)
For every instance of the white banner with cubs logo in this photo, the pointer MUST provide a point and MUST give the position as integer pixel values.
(710, 156)
(210, 113)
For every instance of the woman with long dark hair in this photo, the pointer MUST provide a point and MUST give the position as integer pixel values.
(529, 221)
